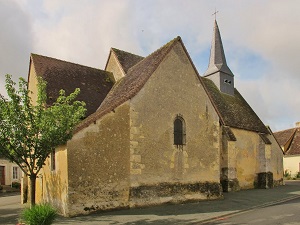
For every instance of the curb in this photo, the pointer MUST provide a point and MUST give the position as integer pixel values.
(217, 218)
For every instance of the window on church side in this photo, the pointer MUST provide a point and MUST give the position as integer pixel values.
(52, 158)
(179, 131)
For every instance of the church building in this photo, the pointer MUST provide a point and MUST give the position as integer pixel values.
(156, 132)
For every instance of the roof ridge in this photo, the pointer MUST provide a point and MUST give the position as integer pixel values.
(128, 86)
(286, 129)
(164, 46)
(291, 139)
(77, 64)
(224, 104)
(126, 52)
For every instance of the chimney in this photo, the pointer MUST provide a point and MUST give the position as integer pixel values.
(297, 124)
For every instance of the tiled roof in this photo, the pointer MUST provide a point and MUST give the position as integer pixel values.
(94, 84)
(126, 59)
(290, 139)
(131, 84)
(295, 145)
(234, 111)
(284, 136)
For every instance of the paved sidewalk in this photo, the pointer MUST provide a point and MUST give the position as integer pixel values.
(190, 213)
(10, 208)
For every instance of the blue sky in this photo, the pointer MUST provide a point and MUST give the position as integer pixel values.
(260, 40)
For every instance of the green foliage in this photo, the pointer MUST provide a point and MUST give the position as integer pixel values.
(287, 175)
(43, 214)
(16, 185)
(30, 131)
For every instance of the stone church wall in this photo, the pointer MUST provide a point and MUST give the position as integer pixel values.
(250, 163)
(243, 158)
(52, 186)
(161, 171)
(276, 162)
(114, 67)
(99, 164)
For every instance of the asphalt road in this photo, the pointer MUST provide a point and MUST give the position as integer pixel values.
(10, 209)
(286, 213)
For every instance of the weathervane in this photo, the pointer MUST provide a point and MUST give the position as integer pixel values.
(215, 14)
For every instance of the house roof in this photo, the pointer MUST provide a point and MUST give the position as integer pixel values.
(234, 111)
(94, 84)
(126, 59)
(290, 139)
(131, 84)
(217, 60)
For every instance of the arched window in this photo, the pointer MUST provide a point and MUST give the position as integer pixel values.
(179, 131)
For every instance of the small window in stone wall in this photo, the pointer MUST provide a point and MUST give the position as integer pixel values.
(179, 131)
(52, 158)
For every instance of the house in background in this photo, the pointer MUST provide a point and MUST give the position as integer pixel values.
(9, 172)
(289, 141)
(156, 132)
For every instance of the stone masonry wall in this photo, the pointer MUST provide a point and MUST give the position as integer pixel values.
(244, 157)
(98, 164)
(275, 161)
(114, 67)
(191, 171)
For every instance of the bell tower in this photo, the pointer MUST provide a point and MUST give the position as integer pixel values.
(218, 71)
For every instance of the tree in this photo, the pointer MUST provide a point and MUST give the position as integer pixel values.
(30, 131)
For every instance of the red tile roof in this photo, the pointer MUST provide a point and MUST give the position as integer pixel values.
(290, 139)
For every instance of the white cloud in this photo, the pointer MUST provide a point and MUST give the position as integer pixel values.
(15, 41)
(260, 40)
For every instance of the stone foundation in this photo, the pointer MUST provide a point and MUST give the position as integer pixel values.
(264, 180)
(277, 183)
(229, 185)
(146, 195)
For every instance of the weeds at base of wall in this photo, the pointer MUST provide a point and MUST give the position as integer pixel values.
(42, 214)
(288, 175)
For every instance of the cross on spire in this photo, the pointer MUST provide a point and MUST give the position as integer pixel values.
(215, 14)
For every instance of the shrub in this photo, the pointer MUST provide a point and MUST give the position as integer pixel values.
(16, 185)
(43, 214)
(287, 175)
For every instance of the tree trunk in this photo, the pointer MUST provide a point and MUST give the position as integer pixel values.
(32, 189)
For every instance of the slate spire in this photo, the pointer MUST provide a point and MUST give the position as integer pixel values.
(218, 71)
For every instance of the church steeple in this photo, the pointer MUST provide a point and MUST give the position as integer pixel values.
(218, 71)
